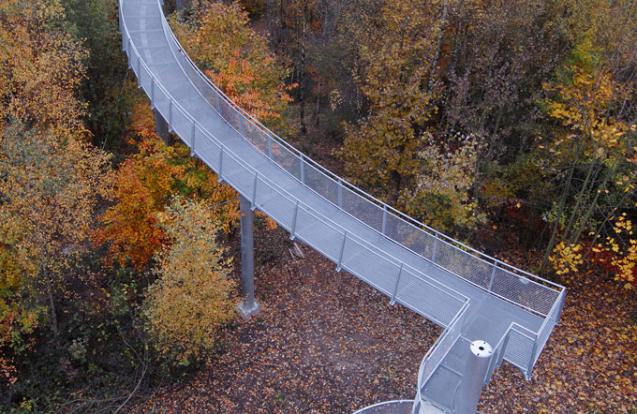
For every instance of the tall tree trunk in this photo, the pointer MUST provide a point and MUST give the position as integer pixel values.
(436, 58)
(396, 184)
(53, 319)
(555, 229)
(317, 104)
(301, 68)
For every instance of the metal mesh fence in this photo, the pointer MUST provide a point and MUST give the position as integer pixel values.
(442, 347)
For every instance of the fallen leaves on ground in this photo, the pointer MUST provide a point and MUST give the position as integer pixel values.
(325, 342)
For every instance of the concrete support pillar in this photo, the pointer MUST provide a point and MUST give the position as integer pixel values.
(161, 127)
(249, 306)
(480, 353)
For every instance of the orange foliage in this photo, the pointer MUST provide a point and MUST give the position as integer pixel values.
(142, 187)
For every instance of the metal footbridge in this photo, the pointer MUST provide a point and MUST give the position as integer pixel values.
(471, 295)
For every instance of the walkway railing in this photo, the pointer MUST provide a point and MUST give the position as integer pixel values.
(541, 297)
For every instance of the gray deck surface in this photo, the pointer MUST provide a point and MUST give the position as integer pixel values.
(488, 316)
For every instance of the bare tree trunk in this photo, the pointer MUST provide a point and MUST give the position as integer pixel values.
(436, 58)
(53, 319)
(301, 68)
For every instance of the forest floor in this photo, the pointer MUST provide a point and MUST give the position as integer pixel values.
(324, 342)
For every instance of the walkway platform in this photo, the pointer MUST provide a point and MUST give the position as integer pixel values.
(470, 294)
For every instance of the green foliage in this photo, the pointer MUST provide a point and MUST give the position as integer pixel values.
(106, 87)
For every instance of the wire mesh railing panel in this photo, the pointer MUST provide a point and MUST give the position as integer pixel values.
(278, 206)
(548, 325)
(519, 350)
(321, 184)
(208, 149)
(237, 175)
(442, 387)
(441, 348)
(286, 159)
(181, 124)
(359, 207)
(462, 264)
(426, 298)
(406, 234)
(524, 291)
(378, 271)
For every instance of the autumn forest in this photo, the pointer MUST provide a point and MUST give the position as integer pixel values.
(508, 125)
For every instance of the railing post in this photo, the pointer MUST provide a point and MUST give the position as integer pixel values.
(505, 343)
(339, 193)
(193, 133)
(384, 225)
(296, 213)
(560, 307)
(170, 115)
(254, 191)
(302, 168)
(529, 368)
(152, 92)
(434, 250)
(340, 255)
(269, 146)
(393, 296)
(221, 164)
(490, 287)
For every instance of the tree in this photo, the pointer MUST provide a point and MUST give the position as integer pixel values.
(193, 295)
(106, 88)
(42, 66)
(238, 60)
(395, 151)
(381, 150)
(142, 186)
(48, 190)
(442, 193)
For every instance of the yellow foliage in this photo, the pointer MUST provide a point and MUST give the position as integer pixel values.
(442, 193)
(582, 106)
(622, 247)
(566, 258)
(192, 297)
(238, 60)
(42, 66)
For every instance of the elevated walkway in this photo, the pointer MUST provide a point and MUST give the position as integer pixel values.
(471, 295)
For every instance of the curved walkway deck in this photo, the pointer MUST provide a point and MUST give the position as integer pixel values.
(471, 295)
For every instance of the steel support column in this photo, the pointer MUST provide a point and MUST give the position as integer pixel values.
(479, 356)
(249, 306)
